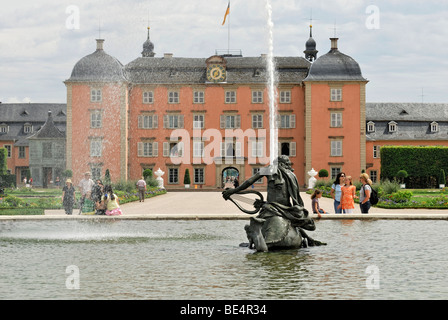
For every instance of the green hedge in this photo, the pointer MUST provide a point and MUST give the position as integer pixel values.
(423, 164)
(21, 211)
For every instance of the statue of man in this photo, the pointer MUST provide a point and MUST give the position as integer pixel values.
(283, 201)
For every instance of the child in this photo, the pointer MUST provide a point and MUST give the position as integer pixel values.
(315, 202)
(110, 200)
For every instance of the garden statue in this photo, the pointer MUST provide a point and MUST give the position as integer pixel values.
(282, 218)
(312, 181)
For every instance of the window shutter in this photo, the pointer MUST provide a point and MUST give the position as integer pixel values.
(292, 121)
(222, 121)
(166, 149)
(181, 121)
(238, 149)
(140, 122)
(223, 149)
(292, 149)
(180, 148)
(238, 121)
(155, 121)
(140, 149)
(165, 121)
(155, 149)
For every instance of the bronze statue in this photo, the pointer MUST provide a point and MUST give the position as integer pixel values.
(282, 219)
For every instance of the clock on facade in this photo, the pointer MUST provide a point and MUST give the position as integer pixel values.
(216, 73)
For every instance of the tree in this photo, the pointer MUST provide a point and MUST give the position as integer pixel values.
(3, 159)
(187, 176)
(147, 173)
(402, 174)
(442, 177)
(67, 174)
(323, 173)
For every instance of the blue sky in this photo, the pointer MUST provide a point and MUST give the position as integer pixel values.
(401, 46)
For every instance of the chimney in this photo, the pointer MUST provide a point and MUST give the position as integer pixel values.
(334, 43)
(99, 44)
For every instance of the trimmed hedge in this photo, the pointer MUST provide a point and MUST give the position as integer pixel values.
(22, 211)
(423, 164)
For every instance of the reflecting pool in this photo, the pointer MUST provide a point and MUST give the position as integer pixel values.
(167, 259)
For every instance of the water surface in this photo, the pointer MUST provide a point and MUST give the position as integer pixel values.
(167, 259)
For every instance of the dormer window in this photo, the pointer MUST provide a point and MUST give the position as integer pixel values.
(434, 126)
(392, 126)
(4, 128)
(370, 126)
(27, 128)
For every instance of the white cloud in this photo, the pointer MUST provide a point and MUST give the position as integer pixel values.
(409, 47)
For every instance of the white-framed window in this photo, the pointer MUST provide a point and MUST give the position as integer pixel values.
(376, 152)
(434, 126)
(334, 172)
(95, 95)
(198, 121)
(4, 128)
(148, 97)
(173, 175)
(257, 121)
(173, 149)
(370, 126)
(8, 148)
(96, 172)
(285, 96)
(96, 146)
(336, 148)
(173, 121)
(254, 172)
(287, 148)
(230, 121)
(198, 149)
(148, 121)
(336, 119)
(287, 121)
(230, 96)
(336, 94)
(147, 149)
(198, 176)
(230, 149)
(257, 96)
(96, 119)
(392, 126)
(27, 128)
(173, 97)
(198, 97)
(22, 153)
(374, 175)
(257, 149)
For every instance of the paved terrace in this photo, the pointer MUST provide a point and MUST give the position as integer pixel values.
(210, 205)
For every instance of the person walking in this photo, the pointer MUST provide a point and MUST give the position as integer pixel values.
(364, 193)
(348, 196)
(141, 186)
(85, 187)
(336, 191)
(68, 196)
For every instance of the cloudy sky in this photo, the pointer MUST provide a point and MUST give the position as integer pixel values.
(401, 45)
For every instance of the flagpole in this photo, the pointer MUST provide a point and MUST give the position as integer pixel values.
(228, 33)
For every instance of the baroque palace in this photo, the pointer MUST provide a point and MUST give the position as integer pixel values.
(211, 116)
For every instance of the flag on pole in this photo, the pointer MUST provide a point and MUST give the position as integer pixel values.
(227, 13)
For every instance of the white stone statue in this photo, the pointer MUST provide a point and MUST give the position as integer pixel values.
(159, 173)
(312, 181)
